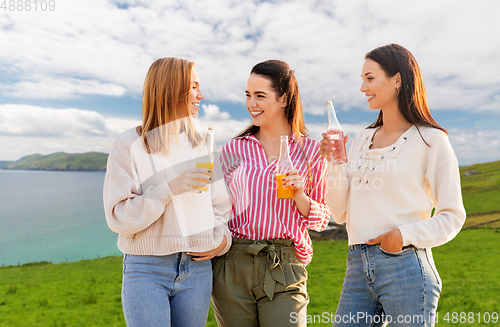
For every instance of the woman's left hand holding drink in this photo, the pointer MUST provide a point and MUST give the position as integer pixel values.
(294, 181)
(191, 180)
(284, 167)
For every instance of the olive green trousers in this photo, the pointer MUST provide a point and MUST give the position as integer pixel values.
(259, 283)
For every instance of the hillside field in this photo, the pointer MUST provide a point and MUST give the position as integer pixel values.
(87, 293)
(90, 161)
(481, 192)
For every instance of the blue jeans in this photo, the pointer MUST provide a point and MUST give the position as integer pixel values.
(161, 291)
(401, 288)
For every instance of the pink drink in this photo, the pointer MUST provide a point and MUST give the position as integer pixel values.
(339, 153)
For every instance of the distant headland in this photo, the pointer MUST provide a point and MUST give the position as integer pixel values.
(60, 161)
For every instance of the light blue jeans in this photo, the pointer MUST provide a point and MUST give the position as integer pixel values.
(401, 288)
(164, 291)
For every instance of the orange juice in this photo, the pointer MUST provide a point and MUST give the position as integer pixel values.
(209, 166)
(283, 192)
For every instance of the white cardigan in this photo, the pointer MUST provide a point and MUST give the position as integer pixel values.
(149, 219)
(397, 186)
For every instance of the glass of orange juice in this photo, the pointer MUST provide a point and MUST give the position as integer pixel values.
(209, 166)
(283, 192)
(283, 166)
(210, 147)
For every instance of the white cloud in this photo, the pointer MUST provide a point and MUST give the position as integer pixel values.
(225, 127)
(93, 47)
(24, 120)
(62, 88)
(116, 125)
(109, 51)
(473, 146)
(212, 112)
(25, 130)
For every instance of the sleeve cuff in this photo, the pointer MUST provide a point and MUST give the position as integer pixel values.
(316, 219)
(161, 192)
(227, 235)
(405, 232)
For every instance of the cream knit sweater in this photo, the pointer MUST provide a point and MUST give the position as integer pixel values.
(149, 219)
(397, 186)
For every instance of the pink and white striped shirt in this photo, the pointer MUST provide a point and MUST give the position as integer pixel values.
(257, 213)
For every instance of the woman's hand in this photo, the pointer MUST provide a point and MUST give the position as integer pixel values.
(326, 146)
(302, 201)
(207, 255)
(186, 181)
(391, 241)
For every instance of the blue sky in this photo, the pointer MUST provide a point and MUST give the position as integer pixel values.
(71, 79)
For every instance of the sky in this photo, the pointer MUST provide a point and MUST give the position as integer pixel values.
(71, 78)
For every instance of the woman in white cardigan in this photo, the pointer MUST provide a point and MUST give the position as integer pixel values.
(400, 168)
(168, 229)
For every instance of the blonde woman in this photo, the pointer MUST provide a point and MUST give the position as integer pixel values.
(168, 229)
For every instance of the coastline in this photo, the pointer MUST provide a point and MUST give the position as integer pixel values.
(45, 263)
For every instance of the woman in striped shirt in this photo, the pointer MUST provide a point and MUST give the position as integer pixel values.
(262, 279)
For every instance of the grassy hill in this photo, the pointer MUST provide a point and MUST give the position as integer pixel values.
(4, 164)
(90, 161)
(481, 193)
(87, 293)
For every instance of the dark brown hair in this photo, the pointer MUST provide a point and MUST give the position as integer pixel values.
(412, 100)
(283, 82)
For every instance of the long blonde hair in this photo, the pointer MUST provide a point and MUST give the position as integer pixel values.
(165, 105)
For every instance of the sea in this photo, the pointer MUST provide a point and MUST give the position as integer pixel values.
(53, 216)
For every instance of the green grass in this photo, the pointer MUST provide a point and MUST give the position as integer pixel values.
(469, 268)
(481, 192)
(87, 293)
(326, 275)
(483, 219)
